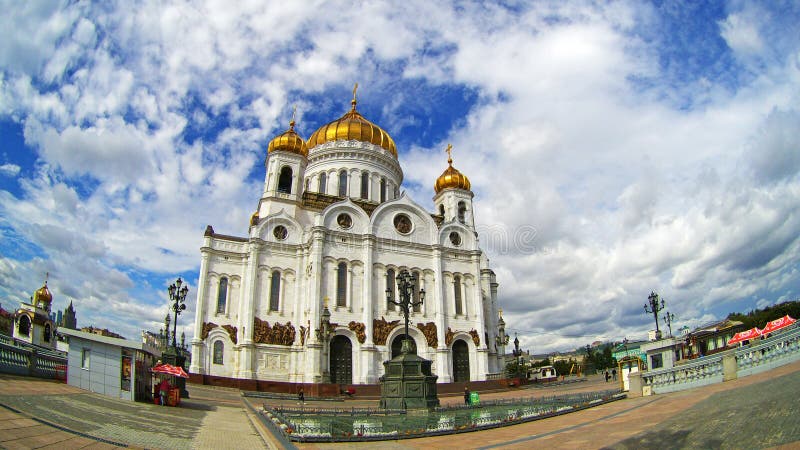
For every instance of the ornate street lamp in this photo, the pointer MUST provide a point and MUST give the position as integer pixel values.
(668, 318)
(177, 295)
(405, 290)
(654, 308)
(324, 333)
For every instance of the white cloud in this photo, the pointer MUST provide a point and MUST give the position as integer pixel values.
(9, 170)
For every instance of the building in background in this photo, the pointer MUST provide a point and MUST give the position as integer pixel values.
(32, 322)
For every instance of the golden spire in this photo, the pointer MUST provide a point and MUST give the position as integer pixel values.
(449, 154)
(291, 122)
(353, 102)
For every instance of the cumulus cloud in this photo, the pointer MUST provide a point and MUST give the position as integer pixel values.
(613, 149)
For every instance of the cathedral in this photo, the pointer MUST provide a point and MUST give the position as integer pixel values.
(307, 296)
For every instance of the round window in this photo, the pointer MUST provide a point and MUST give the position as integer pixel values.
(280, 232)
(402, 223)
(344, 220)
(455, 238)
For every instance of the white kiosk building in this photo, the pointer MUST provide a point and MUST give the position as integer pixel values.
(303, 297)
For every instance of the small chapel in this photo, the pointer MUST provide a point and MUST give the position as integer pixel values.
(306, 295)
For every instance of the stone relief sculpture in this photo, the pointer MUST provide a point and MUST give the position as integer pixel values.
(381, 329)
(277, 334)
(359, 329)
(429, 331)
(475, 338)
(303, 331)
(232, 330)
(448, 337)
(207, 327)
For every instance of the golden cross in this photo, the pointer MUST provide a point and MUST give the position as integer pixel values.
(294, 111)
(355, 88)
(449, 155)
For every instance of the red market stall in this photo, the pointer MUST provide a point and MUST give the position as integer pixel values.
(745, 336)
(174, 396)
(778, 324)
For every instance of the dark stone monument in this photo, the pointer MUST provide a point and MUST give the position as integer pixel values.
(408, 382)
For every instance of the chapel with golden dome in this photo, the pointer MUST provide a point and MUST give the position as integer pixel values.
(306, 296)
(32, 321)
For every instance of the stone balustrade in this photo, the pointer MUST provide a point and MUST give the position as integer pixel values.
(30, 362)
(762, 355)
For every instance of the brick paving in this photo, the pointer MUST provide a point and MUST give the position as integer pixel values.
(759, 411)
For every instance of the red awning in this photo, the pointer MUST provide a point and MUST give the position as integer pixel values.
(170, 370)
(777, 324)
(745, 336)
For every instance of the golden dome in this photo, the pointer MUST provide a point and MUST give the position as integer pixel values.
(353, 126)
(288, 141)
(451, 178)
(42, 295)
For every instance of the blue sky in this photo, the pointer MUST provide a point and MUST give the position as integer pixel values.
(614, 148)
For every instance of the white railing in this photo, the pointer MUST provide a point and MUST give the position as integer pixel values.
(777, 350)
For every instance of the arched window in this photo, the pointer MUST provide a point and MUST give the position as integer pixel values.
(308, 183)
(343, 183)
(323, 182)
(390, 289)
(341, 284)
(222, 295)
(462, 210)
(275, 291)
(285, 180)
(441, 210)
(24, 327)
(383, 190)
(47, 333)
(364, 185)
(416, 280)
(457, 294)
(219, 348)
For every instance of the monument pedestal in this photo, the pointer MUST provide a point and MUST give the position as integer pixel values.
(408, 383)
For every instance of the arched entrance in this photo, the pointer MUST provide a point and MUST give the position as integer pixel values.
(460, 361)
(397, 345)
(341, 362)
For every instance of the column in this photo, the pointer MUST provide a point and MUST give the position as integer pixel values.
(246, 313)
(369, 373)
(196, 366)
(440, 318)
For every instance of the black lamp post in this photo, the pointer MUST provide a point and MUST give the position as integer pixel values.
(405, 290)
(654, 307)
(177, 295)
(668, 318)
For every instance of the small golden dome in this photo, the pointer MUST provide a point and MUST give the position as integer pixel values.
(451, 178)
(353, 126)
(288, 141)
(254, 219)
(42, 295)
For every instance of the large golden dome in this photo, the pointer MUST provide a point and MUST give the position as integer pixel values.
(451, 177)
(42, 296)
(288, 141)
(353, 126)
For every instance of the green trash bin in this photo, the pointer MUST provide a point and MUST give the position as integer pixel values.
(474, 399)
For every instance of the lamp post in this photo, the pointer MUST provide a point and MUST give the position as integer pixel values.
(323, 333)
(654, 307)
(177, 295)
(405, 290)
(668, 318)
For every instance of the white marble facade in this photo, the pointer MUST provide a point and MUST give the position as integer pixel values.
(330, 227)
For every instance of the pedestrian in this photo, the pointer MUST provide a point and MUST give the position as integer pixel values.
(607, 376)
(466, 395)
(301, 397)
(163, 390)
(614, 374)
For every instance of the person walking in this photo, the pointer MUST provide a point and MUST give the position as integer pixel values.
(466, 395)
(301, 397)
(607, 376)
(163, 390)
(614, 374)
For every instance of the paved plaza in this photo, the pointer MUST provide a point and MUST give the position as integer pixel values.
(759, 411)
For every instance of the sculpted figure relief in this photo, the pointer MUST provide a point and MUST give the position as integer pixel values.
(232, 330)
(207, 327)
(448, 336)
(277, 334)
(429, 331)
(359, 329)
(303, 331)
(381, 329)
(475, 338)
